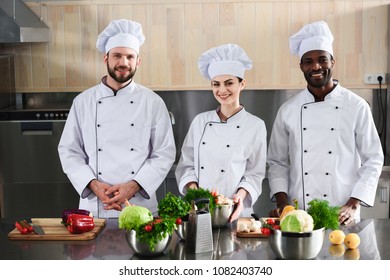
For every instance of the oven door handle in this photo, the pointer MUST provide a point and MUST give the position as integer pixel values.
(36, 128)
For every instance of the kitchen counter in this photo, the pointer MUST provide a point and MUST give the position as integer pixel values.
(111, 244)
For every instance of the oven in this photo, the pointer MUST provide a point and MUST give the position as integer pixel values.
(32, 183)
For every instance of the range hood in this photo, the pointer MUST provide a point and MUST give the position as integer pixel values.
(18, 23)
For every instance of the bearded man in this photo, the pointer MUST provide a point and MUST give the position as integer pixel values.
(117, 144)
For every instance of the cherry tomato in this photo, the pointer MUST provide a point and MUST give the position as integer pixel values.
(270, 222)
(265, 231)
(148, 228)
(276, 227)
(157, 221)
(179, 221)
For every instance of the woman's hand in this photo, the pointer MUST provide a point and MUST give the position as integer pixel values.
(191, 185)
(238, 200)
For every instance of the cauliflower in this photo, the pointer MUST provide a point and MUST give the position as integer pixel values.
(255, 225)
(243, 228)
(249, 227)
(297, 221)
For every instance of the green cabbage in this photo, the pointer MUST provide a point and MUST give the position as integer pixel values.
(297, 221)
(131, 217)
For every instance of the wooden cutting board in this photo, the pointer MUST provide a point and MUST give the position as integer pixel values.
(54, 230)
(256, 233)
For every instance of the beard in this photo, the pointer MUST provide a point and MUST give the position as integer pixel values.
(118, 77)
(319, 82)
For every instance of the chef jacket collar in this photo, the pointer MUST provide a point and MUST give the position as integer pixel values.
(335, 93)
(233, 118)
(128, 86)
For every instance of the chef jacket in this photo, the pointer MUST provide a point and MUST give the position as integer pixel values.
(116, 138)
(325, 150)
(225, 156)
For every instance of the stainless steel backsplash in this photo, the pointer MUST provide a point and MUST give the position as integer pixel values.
(185, 105)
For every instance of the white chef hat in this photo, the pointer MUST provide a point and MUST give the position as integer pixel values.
(314, 36)
(121, 33)
(228, 59)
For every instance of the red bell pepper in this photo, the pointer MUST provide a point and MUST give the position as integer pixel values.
(67, 212)
(23, 226)
(77, 223)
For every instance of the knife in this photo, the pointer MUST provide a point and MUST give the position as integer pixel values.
(36, 228)
(257, 218)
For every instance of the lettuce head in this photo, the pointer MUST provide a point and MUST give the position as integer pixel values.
(131, 217)
(297, 221)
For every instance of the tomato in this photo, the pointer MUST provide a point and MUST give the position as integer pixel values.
(265, 231)
(178, 221)
(214, 193)
(270, 222)
(148, 228)
(276, 227)
(157, 221)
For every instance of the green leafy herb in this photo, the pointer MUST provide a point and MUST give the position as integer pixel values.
(172, 206)
(193, 194)
(153, 232)
(323, 214)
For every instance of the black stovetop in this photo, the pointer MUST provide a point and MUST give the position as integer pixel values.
(38, 107)
(33, 114)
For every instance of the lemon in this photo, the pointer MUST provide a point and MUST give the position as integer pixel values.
(352, 240)
(336, 250)
(352, 254)
(336, 237)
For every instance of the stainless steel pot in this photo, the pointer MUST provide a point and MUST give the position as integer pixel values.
(143, 249)
(297, 245)
(181, 230)
(221, 214)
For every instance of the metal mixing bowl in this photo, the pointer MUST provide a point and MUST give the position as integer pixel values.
(296, 245)
(143, 249)
(221, 214)
(181, 230)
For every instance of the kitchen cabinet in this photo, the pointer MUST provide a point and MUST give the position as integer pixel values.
(177, 32)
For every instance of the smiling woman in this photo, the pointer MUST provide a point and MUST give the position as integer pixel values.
(225, 148)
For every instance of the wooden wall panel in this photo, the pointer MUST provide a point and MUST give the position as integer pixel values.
(175, 45)
(74, 66)
(56, 55)
(177, 32)
(281, 32)
(141, 14)
(90, 57)
(246, 36)
(158, 46)
(264, 63)
(228, 23)
(193, 44)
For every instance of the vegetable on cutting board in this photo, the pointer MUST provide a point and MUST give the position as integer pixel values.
(67, 212)
(24, 227)
(78, 223)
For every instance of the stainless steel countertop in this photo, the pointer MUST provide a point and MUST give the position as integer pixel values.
(111, 244)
